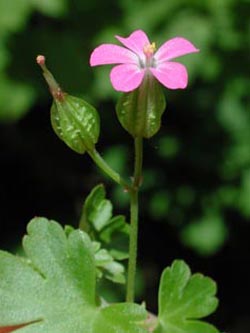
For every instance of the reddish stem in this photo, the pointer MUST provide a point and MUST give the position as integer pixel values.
(8, 329)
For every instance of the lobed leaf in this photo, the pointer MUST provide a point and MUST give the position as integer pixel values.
(184, 299)
(53, 290)
(110, 234)
(97, 209)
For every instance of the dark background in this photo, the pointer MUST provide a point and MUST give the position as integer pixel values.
(195, 200)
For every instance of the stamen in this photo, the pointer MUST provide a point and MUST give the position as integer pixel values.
(149, 49)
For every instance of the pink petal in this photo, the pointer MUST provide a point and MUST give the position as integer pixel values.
(111, 54)
(135, 42)
(174, 48)
(171, 74)
(126, 77)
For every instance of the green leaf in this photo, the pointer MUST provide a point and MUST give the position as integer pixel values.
(97, 219)
(75, 122)
(120, 318)
(54, 289)
(110, 234)
(115, 237)
(184, 299)
(140, 110)
(97, 209)
(107, 266)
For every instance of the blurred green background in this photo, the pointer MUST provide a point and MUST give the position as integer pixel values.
(196, 191)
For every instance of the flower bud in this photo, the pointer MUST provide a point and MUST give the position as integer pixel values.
(74, 121)
(140, 110)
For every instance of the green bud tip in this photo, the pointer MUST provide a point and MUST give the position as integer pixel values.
(54, 87)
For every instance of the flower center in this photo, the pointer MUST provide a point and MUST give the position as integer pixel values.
(149, 50)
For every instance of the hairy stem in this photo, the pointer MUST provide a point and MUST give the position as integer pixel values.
(134, 213)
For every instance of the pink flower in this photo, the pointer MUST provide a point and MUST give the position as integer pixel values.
(139, 59)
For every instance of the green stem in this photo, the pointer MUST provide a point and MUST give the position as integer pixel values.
(134, 213)
(102, 164)
(138, 162)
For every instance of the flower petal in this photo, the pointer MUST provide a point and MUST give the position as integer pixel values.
(174, 48)
(171, 74)
(111, 54)
(135, 42)
(126, 77)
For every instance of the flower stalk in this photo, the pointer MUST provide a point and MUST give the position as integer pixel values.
(134, 219)
(103, 165)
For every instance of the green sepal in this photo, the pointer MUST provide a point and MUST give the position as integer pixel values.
(140, 110)
(75, 122)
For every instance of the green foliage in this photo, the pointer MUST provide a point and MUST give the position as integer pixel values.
(184, 299)
(117, 157)
(54, 287)
(168, 147)
(159, 204)
(75, 122)
(206, 235)
(51, 7)
(13, 14)
(109, 233)
(216, 100)
(140, 110)
(16, 97)
(106, 265)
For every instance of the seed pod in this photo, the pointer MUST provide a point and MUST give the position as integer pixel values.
(74, 121)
